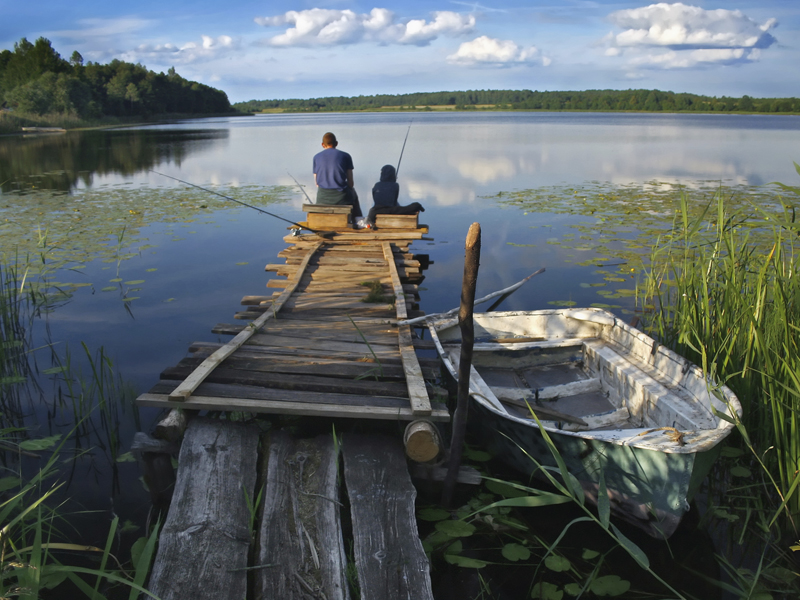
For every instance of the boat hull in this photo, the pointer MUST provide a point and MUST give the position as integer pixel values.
(654, 445)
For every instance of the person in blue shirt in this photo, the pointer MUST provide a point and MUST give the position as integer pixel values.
(333, 174)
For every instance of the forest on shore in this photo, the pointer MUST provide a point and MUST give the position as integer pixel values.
(589, 100)
(36, 81)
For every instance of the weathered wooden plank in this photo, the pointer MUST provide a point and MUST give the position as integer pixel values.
(288, 381)
(323, 367)
(361, 236)
(282, 407)
(390, 561)
(185, 389)
(203, 547)
(311, 353)
(300, 536)
(386, 337)
(417, 392)
(330, 346)
(330, 209)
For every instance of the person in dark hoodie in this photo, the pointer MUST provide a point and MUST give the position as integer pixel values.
(385, 194)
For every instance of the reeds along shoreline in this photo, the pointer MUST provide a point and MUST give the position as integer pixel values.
(723, 291)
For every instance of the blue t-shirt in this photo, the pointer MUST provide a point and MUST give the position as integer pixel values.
(330, 167)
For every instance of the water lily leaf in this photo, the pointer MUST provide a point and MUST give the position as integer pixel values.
(573, 589)
(559, 564)
(150, 270)
(433, 514)
(134, 282)
(476, 455)
(740, 471)
(169, 300)
(127, 457)
(110, 288)
(242, 263)
(465, 561)
(546, 591)
(456, 528)
(40, 444)
(130, 299)
(730, 452)
(515, 552)
(589, 554)
(115, 280)
(455, 548)
(610, 585)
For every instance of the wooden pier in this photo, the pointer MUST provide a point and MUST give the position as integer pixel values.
(269, 520)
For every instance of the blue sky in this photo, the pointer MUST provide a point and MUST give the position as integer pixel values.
(313, 48)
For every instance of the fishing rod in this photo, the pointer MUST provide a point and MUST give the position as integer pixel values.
(302, 189)
(397, 170)
(320, 233)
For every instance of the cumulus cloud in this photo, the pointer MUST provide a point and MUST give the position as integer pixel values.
(207, 48)
(693, 36)
(490, 51)
(328, 27)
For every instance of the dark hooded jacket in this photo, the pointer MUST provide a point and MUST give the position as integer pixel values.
(387, 190)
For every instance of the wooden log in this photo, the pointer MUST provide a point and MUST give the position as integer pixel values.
(301, 551)
(472, 261)
(204, 545)
(397, 221)
(422, 441)
(185, 389)
(173, 426)
(390, 561)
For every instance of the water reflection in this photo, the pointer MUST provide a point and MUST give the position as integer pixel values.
(64, 162)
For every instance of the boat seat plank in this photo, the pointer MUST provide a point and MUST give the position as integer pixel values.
(390, 560)
(204, 545)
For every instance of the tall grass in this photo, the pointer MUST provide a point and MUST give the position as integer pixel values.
(723, 290)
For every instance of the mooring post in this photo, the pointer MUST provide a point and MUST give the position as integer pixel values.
(471, 264)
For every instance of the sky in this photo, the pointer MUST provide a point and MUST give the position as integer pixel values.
(315, 48)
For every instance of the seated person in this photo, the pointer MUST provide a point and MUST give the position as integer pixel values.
(333, 174)
(385, 194)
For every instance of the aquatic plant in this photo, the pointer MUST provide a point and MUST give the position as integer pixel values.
(32, 557)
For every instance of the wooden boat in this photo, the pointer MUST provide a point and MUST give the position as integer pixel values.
(612, 399)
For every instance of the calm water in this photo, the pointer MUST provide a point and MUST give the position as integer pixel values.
(188, 270)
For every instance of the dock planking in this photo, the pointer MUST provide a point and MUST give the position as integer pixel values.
(320, 309)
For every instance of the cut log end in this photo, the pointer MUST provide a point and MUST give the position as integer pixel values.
(422, 441)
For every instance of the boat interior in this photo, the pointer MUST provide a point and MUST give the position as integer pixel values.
(580, 385)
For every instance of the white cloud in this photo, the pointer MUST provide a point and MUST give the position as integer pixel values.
(328, 27)
(693, 35)
(206, 49)
(491, 51)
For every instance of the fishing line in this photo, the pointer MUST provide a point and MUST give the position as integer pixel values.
(320, 233)
(397, 170)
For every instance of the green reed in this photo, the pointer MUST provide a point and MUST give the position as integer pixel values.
(722, 290)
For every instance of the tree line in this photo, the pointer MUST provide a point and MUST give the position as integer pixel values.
(589, 100)
(36, 80)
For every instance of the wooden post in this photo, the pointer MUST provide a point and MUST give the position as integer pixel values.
(471, 264)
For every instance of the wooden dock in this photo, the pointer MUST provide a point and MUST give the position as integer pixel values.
(263, 515)
(316, 347)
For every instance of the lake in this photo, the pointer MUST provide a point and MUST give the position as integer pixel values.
(143, 265)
